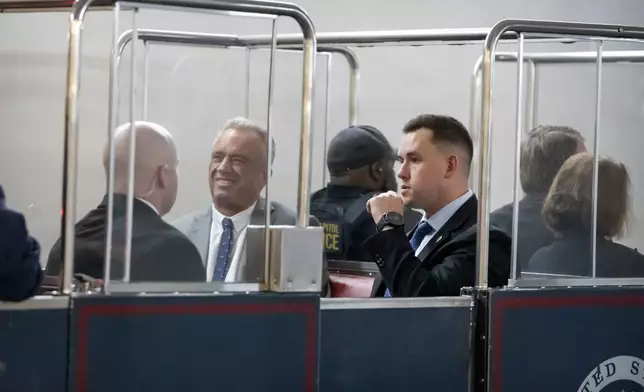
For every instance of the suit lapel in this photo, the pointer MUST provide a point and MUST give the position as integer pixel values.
(462, 217)
(258, 216)
(436, 240)
(200, 233)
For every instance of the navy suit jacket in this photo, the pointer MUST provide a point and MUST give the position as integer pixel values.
(20, 272)
(445, 265)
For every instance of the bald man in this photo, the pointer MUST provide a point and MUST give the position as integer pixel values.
(159, 251)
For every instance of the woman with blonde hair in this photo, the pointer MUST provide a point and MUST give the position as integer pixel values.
(567, 211)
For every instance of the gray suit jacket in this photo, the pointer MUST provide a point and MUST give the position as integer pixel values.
(196, 226)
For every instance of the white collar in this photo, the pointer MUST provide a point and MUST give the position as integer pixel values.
(240, 220)
(149, 205)
(441, 217)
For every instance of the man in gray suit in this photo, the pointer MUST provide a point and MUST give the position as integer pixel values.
(237, 174)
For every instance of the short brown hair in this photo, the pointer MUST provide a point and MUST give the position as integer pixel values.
(568, 206)
(445, 129)
(542, 154)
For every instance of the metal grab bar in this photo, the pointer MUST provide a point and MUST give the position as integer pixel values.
(234, 41)
(77, 15)
(397, 37)
(489, 55)
(532, 61)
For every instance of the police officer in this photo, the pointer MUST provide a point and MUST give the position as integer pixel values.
(360, 161)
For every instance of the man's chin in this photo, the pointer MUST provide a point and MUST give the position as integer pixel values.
(407, 200)
(220, 196)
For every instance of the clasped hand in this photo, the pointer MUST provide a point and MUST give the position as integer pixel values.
(383, 203)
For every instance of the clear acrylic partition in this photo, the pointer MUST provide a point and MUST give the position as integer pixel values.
(556, 239)
(32, 77)
(615, 110)
(173, 80)
(133, 114)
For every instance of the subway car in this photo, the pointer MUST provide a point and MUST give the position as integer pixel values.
(79, 76)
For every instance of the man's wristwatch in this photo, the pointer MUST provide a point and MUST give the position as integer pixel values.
(391, 219)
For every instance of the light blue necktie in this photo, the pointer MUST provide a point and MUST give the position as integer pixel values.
(422, 231)
(223, 254)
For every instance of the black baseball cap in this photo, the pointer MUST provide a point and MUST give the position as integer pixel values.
(355, 147)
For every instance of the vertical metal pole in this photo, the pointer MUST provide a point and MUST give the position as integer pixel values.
(146, 68)
(247, 84)
(598, 101)
(483, 213)
(474, 126)
(70, 160)
(327, 115)
(269, 151)
(354, 86)
(535, 97)
(304, 172)
(112, 112)
(475, 94)
(530, 101)
(132, 156)
(517, 159)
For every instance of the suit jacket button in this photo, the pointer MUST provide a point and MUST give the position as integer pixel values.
(379, 260)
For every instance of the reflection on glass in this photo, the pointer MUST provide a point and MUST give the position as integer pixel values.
(568, 213)
(544, 149)
(143, 247)
(228, 233)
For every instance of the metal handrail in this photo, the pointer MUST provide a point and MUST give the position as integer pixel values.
(78, 10)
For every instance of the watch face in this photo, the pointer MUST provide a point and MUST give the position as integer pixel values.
(395, 219)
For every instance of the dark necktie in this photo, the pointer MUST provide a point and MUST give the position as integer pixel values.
(225, 249)
(422, 231)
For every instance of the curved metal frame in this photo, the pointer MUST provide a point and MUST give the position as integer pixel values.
(233, 41)
(149, 36)
(600, 31)
(527, 118)
(532, 62)
(408, 37)
(73, 80)
(400, 37)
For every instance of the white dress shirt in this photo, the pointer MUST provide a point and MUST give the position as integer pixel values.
(238, 255)
(438, 220)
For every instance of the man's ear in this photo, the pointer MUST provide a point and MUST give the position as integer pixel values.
(453, 164)
(376, 172)
(265, 178)
(161, 180)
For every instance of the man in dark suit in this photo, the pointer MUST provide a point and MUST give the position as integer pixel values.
(20, 271)
(159, 252)
(542, 154)
(236, 175)
(438, 258)
(360, 161)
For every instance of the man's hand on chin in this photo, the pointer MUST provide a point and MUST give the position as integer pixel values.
(384, 203)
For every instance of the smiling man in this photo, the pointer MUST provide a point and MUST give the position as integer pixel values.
(236, 176)
(438, 257)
